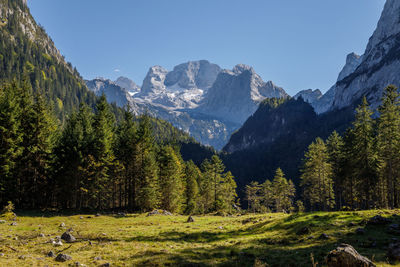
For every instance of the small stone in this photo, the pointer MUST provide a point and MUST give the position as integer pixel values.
(2, 221)
(63, 257)
(1, 254)
(57, 243)
(167, 213)
(15, 238)
(13, 224)
(62, 224)
(81, 217)
(51, 254)
(97, 215)
(68, 237)
(22, 257)
(41, 235)
(190, 219)
(103, 234)
(220, 227)
(154, 212)
(107, 264)
(89, 217)
(90, 243)
(97, 258)
(121, 214)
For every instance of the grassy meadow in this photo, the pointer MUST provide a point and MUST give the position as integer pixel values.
(161, 240)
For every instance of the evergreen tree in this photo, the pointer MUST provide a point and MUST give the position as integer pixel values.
(148, 187)
(226, 194)
(334, 145)
(283, 192)
(192, 176)
(170, 180)
(316, 178)
(388, 148)
(10, 139)
(253, 196)
(364, 155)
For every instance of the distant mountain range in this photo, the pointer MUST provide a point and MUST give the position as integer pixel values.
(197, 97)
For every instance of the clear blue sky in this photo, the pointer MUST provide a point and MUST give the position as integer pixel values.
(296, 44)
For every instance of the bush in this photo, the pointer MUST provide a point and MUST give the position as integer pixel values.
(8, 211)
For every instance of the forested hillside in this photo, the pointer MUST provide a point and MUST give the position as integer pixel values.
(28, 53)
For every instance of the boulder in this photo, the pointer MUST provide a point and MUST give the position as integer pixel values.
(154, 212)
(346, 256)
(378, 220)
(68, 237)
(165, 212)
(190, 219)
(63, 257)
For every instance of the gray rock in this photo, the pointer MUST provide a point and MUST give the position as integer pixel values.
(190, 219)
(154, 212)
(324, 236)
(62, 224)
(51, 254)
(41, 235)
(346, 255)
(98, 258)
(107, 264)
(2, 221)
(68, 237)
(167, 213)
(13, 224)
(63, 257)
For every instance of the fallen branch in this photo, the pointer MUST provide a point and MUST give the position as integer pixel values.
(64, 249)
(11, 248)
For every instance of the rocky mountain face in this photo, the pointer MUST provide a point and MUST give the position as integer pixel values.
(197, 97)
(309, 95)
(115, 93)
(379, 65)
(236, 94)
(128, 85)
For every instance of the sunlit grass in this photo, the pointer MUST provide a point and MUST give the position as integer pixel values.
(160, 240)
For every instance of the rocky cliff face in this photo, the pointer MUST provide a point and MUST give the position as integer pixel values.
(236, 94)
(128, 85)
(113, 92)
(309, 95)
(379, 65)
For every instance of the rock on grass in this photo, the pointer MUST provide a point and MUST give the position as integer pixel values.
(346, 255)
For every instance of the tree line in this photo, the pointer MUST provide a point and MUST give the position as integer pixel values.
(94, 162)
(358, 170)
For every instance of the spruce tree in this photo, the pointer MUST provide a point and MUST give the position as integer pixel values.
(334, 145)
(170, 180)
(388, 139)
(316, 178)
(283, 192)
(364, 156)
(192, 176)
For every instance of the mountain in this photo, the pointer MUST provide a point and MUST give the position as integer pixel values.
(379, 65)
(115, 93)
(28, 53)
(310, 96)
(128, 85)
(236, 94)
(197, 97)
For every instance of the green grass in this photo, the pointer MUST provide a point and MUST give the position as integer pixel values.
(138, 240)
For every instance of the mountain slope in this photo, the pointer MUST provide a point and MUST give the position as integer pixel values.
(27, 52)
(380, 62)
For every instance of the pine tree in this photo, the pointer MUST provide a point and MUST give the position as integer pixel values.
(283, 192)
(364, 155)
(103, 127)
(10, 139)
(316, 178)
(192, 176)
(388, 147)
(148, 187)
(334, 145)
(206, 187)
(226, 194)
(253, 196)
(170, 180)
(217, 168)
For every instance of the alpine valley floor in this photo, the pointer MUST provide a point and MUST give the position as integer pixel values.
(271, 239)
